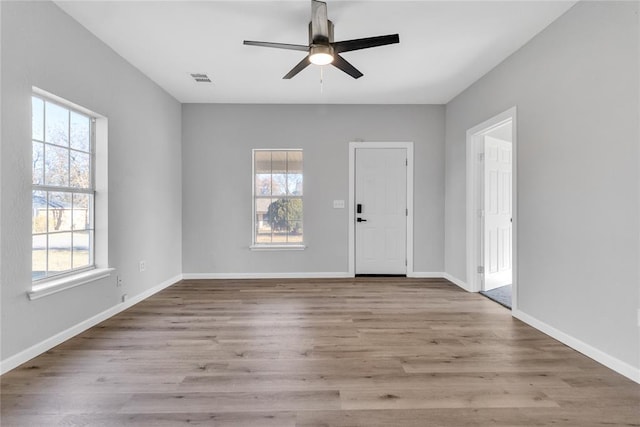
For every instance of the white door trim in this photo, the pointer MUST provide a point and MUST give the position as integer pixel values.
(475, 136)
(353, 146)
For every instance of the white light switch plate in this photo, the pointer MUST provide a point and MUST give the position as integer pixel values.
(338, 204)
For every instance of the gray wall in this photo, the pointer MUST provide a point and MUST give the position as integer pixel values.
(43, 47)
(217, 144)
(576, 89)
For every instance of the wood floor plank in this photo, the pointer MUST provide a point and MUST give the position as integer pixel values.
(225, 419)
(467, 417)
(347, 381)
(233, 401)
(328, 352)
(60, 404)
(445, 397)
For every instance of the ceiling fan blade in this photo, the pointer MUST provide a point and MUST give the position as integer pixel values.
(301, 66)
(299, 47)
(357, 44)
(342, 64)
(319, 22)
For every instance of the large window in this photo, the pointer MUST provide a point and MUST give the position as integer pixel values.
(277, 203)
(63, 141)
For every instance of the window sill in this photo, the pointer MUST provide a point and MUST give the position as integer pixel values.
(54, 286)
(277, 247)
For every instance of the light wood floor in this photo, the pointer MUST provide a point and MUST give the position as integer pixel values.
(365, 352)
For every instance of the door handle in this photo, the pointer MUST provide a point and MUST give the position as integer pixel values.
(361, 220)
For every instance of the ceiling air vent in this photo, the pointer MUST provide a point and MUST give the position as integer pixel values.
(201, 78)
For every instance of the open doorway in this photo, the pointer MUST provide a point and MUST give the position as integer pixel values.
(491, 208)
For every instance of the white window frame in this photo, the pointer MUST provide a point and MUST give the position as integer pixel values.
(272, 246)
(99, 269)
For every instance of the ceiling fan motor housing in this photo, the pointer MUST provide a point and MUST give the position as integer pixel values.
(318, 37)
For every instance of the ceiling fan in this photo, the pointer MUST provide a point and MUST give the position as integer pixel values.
(322, 50)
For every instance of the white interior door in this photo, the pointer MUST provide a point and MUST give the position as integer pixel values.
(381, 210)
(497, 213)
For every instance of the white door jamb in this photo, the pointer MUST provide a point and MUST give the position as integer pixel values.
(352, 179)
(475, 136)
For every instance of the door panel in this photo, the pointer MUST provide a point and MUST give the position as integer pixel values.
(497, 217)
(381, 189)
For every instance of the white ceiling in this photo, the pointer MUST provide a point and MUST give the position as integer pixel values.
(444, 46)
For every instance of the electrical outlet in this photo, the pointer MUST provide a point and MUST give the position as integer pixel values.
(125, 297)
(142, 266)
(118, 281)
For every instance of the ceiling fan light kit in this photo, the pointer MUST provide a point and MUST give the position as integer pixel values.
(322, 50)
(320, 54)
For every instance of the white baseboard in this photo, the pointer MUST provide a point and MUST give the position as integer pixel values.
(599, 356)
(37, 349)
(324, 275)
(426, 274)
(457, 282)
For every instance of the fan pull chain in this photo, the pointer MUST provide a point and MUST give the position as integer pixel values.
(321, 79)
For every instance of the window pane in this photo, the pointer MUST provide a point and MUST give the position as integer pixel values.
(56, 124)
(294, 210)
(56, 166)
(59, 252)
(38, 212)
(294, 184)
(263, 224)
(262, 162)
(37, 119)
(39, 257)
(82, 249)
(294, 161)
(279, 184)
(82, 216)
(59, 211)
(279, 172)
(294, 171)
(263, 184)
(37, 158)
(263, 231)
(279, 162)
(277, 214)
(295, 235)
(294, 220)
(80, 132)
(80, 170)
